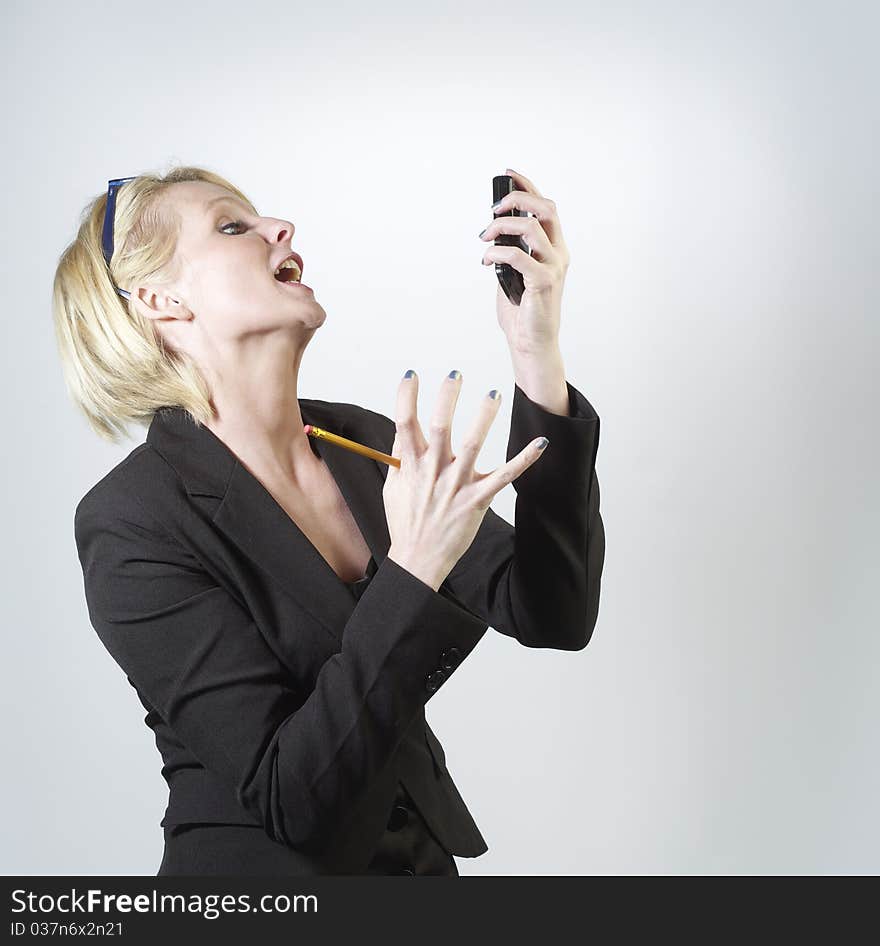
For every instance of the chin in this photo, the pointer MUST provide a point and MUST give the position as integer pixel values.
(316, 316)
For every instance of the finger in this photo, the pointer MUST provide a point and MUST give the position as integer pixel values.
(495, 481)
(440, 433)
(476, 437)
(522, 182)
(408, 441)
(542, 207)
(529, 228)
(536, 275)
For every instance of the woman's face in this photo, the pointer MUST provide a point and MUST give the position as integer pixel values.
(227, 257)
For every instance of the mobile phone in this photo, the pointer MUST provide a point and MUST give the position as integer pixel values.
(511, 279)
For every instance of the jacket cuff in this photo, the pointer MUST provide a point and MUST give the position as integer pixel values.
(574, 438)
(410, 636)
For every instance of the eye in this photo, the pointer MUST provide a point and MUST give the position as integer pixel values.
(234, 223)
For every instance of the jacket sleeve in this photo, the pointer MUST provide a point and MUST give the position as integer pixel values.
(540, 581)
(297, 760)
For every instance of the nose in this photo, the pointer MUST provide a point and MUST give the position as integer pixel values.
(284, 230)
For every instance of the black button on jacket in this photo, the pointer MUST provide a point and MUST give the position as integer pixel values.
(279, 699)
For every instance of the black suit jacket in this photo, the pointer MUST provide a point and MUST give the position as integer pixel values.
(278, 699)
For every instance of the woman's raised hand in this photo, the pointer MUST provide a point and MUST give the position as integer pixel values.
(436, 500)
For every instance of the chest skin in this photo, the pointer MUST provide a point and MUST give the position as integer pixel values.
(323, 516)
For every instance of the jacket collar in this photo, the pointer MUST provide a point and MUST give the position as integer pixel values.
(250, 516)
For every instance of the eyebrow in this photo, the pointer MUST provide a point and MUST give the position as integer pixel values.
(221, 198)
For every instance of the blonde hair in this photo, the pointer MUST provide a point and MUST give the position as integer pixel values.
(116, 367)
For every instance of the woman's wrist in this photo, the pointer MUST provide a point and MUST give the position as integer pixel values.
(421, 570)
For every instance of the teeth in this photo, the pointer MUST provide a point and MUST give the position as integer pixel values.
(290, 264)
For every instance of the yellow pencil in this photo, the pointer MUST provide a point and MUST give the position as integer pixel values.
(353, 445)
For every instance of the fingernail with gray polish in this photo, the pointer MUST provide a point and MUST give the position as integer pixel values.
(493, 393)
(543, 443)
(454, 374)
(409, 374)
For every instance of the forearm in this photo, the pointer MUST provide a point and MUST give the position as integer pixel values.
(542, 379)
(539, 581)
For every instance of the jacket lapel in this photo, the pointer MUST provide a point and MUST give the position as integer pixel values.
(248, 514)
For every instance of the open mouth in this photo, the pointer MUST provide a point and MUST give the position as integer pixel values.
(290, 274)
(288, 271)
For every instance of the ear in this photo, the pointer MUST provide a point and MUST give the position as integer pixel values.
(160, 303)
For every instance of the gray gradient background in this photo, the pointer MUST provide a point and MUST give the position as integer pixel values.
(714, 167)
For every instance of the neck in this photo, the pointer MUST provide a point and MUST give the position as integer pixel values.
(257, 415)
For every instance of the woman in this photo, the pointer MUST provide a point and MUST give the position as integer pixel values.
(283, 607)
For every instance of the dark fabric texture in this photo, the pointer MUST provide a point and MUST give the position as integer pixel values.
(277, 697)
(407, 848)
